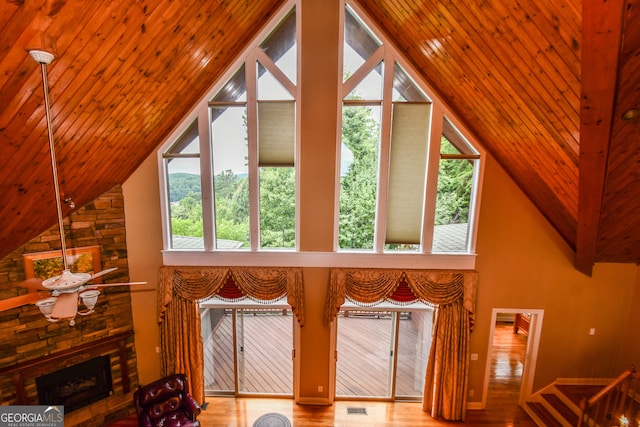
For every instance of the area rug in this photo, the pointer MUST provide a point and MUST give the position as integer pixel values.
(272, 419)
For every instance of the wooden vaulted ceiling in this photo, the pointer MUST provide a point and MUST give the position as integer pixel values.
(542, 84)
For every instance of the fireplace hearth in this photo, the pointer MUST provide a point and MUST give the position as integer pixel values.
(78, 385)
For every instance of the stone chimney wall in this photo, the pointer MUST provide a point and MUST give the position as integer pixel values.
(26, 335)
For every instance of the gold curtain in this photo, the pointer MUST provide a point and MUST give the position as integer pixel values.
(445, 387)
(453, 293)
(182, 288)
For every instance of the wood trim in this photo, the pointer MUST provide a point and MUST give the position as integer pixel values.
(43, 364)
(601, 47)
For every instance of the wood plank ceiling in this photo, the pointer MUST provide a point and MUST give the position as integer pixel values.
(542, 84)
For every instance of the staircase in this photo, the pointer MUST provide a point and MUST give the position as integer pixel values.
(596, 403)
(558, 404)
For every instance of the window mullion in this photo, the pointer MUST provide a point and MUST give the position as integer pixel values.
(385, 149)
(460, 156)
(433, 162)
(252, 135)
(206, 177)
(364, 70)
(276, 72)
(395, 342)
(473, 212)
(167, 229)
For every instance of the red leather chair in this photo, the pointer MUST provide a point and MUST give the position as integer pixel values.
(166, 402)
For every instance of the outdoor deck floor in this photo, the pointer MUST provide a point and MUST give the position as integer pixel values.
(363, 349)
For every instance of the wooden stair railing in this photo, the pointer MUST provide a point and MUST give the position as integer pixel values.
(619, 398)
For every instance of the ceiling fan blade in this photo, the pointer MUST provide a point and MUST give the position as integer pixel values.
(20, 300)
(103, 285)
(32, 283)
(103, 272)
(66, 306)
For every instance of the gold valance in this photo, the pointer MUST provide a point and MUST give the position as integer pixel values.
(259, 283)
(370, 286)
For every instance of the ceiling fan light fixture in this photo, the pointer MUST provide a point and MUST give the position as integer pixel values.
(46, 307)
(89, 299)
(66, 281)
(69, 202)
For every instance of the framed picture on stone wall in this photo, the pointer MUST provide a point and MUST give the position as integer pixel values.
(49, 264)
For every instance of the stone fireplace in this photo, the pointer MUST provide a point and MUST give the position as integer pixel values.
(78, 385)
(91, 380)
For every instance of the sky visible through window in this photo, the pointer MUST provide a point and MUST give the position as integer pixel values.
(232, 155)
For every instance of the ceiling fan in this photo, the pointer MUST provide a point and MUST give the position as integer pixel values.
(58, 297)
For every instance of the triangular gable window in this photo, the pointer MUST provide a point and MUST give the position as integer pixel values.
(388, 200)
(407, 176)
(253, 129)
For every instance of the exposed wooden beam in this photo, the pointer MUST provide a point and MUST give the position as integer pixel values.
(601, 39)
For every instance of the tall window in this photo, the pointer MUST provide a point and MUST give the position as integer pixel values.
(456, 175)
(252, 144)
(182, 169)
(230, 168)
(385, 139)
(407, 173)
(253, 147)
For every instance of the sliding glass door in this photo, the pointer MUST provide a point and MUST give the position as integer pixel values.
(265, 340)
(365, 353)
(217, 340)
(414, 343)
(382, 354)
(248, 350)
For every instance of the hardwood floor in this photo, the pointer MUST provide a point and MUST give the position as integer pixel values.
(507, 359)
(242, 412)
(502, 408)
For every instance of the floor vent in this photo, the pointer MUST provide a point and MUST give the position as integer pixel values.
(362, 411)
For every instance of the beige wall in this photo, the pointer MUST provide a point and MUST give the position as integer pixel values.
(315, 339)
(631, 343)
(523, 263)
(318, 121)
(144, 245)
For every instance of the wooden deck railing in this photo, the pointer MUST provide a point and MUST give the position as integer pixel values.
(617, 404)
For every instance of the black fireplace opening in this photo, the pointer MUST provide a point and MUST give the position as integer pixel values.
(78, 385)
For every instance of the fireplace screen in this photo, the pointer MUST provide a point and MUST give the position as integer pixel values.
(78, 385)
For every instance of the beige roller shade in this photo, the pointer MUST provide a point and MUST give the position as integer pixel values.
(276, 133)
(407, 169)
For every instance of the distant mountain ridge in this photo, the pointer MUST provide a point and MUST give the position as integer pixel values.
(183, 183)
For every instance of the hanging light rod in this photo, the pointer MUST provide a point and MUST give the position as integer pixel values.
(45, 58)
